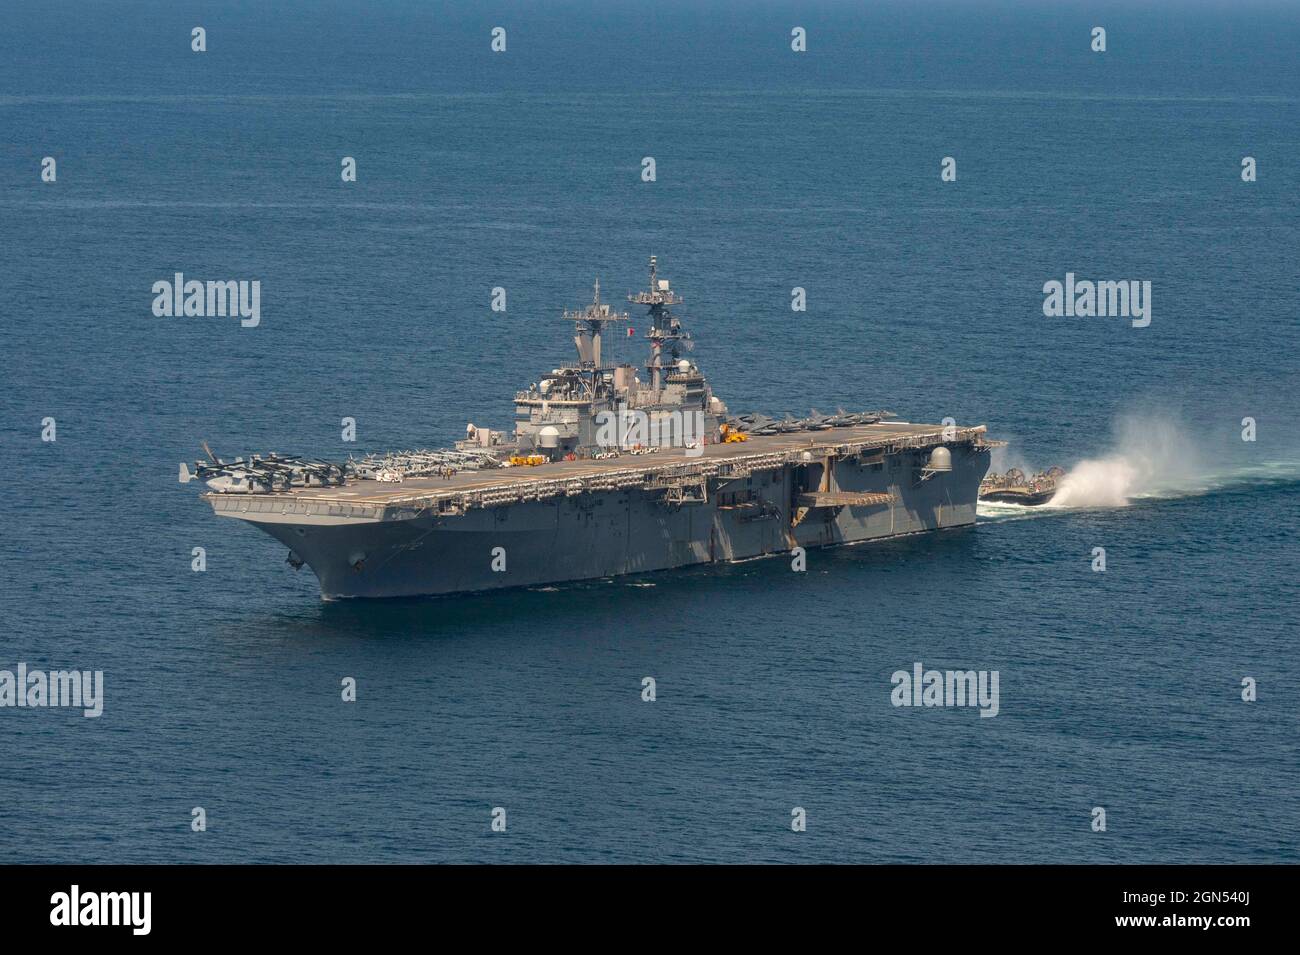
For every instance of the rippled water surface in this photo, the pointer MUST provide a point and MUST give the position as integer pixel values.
(522, 170)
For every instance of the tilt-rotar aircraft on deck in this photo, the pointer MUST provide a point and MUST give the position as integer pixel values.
(564, 495)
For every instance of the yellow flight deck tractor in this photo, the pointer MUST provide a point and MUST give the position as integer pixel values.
(731, 436)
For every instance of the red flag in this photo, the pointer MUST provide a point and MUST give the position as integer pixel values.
(630, 331)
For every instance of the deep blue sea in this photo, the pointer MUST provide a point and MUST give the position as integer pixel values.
(1119, 690)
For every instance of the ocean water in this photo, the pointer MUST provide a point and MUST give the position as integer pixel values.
(1119, 690)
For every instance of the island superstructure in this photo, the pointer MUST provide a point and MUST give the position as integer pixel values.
(605, 473)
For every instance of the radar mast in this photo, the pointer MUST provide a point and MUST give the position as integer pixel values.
(666, 332)
(588, 325)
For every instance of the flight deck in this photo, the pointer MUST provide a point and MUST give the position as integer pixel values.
(667, 469)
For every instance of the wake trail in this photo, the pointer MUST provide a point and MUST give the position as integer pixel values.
(1153, 460)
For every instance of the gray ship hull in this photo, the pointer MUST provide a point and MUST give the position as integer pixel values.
(632, 530)
(605, 474)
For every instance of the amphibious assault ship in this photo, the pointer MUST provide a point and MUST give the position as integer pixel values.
(605, 472)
